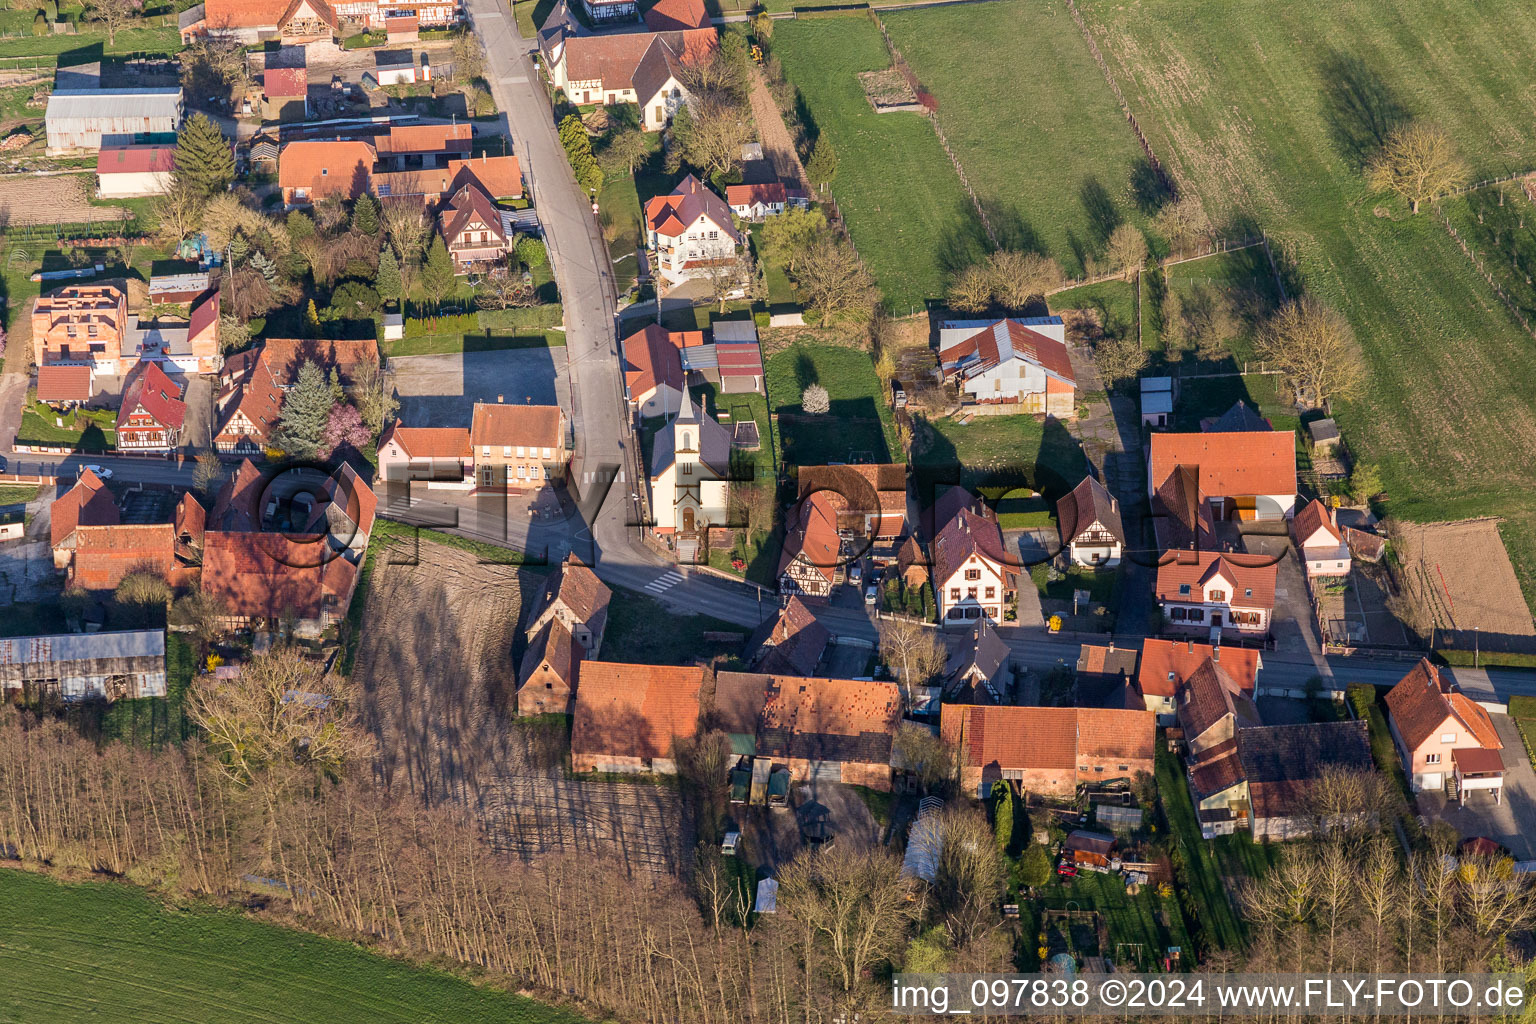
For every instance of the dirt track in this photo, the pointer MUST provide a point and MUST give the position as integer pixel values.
(58, 199)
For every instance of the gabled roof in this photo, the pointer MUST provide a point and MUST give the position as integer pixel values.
(428, 442)
(1253, 585)
(499, 425)
(878, 489)
(88, 503)
(1421, 702)
(62, 383)
(105, 554)
(791, 643)
(405, 139)
(658, 66)
(1005, 340)
(625, 710)
(253, 381)
(1165, 664)
(675, 15)
(205, 314)
(552, 644)
(232, 14)
(576, 586)
(1314, 518)
(190, 521)
(670, 215)
(1088, 503)
(1218, 769)
(843, 720)
(1128, 734)
(979, 654)
(1106, 677)
(1230, 465)
(651, 359)
(237, 505)
(469, 204)
(1181, 519)
(1011, 737)
(339, 167)
(1241, 418)
(813, 539)
(269, 575)
(1290, 753)
(713, 444)
(768, 193)
(159, 396)
(613, 58)
(498, 176)
(135, 159)
(969, 533)
(1209, 695)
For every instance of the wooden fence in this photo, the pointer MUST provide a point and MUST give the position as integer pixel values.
(1482, 268)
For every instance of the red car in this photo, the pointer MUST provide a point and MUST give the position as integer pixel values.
(1066, 869)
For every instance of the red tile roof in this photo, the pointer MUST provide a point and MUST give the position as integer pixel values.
(88, 503)
(1116, 734)
(1314, 517)
(652, 358)
(1218, 769)
(837, 720)
(285, 83)
(135, 159)
(1161, 659)
(625, 710)
(614, 59)
(105, 554)
(205, 314)
(267, 575)
(1209, 695)
(1012, 737)
(767, 193)
(670, 215)
(499, 176)
(1247, 586)
(865, 489)
(343, 168)
(428, 442)
(151, 391)
(969, 533)
(540, 426)
(468, 206)
(1422, 701)
(56, 383)
(1007, 339)
(813, 539)
(676, 15)
(1240, 464)
(425, 138)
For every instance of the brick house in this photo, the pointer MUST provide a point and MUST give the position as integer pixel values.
(1022, 363)
(629, 718)
(1319, 541)
(1217, 593)
(152, 412)
(474, 231)
(548, 673)
(83, 324)
(1048, 751)
(517, 447)
(1442, 733)
(822, 730)
(809, 565)
(1166, 664)
(972, 575)
(1088, 519)
(688, 229)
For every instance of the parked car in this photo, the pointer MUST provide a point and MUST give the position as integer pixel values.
(871, 594)
(1066, 869)
(855, 574)
(101, 471)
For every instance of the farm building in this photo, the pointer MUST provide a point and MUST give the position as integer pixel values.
(1048, 750)
(85, 666)
(398, 67)
(124, 172)
(738, 359)
(285, 94)
(1020, 364)
(85, 120)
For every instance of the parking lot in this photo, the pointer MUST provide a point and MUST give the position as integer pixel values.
(440, 390)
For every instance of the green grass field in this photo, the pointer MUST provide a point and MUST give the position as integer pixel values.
(1018, 448)
(1266, 125)
(89, 46)
(908, 215)
(108, 953)
(1032, 120)
(859, 426)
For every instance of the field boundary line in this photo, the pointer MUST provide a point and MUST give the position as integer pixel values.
(1482, 268)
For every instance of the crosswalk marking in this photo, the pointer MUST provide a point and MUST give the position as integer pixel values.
(666, 581)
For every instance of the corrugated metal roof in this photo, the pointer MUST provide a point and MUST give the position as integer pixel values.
(739, 358)
(106, 103)
(142, 643)
(698, 357)
(735, 331)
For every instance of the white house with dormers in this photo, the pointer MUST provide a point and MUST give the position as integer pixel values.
(1022, 363)
(1202, 591)
(688, 230)
(690, 463)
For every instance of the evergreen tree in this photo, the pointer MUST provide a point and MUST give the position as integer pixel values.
(239, 249)
(204, 158)
(365, 215)
(823, 162)
(1002, 814)
(306, 413)
(438, 275)
(1035, 867)
(338, 393)
(389, 283)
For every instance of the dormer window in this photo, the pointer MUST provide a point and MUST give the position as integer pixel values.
(1184, 590)
(1248, 592)
(1216, 595)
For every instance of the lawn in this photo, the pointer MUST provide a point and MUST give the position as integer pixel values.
(17, 494)
(1001, 449)
(107, 952)
(1040, 136)
(89, 430)
(1140, 927)
(859, 427)
(1269, 128)
(898, 192)
(87, 47)
(1201, 874)
(620, 204)
(643, 630)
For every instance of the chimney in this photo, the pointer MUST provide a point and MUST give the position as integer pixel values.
(1216, 654)
(1191, 647)
(500, 399)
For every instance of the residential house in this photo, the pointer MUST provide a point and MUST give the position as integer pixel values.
(979, 669)
(517, 447)
(477, 238)
(973, 576)
(125, 172)
(1441, 734)
(440, 454)
(1282, 764)
(1021, 363)
(653, 369)
(81, 324)
(377, 14)
(181, 345)
(305, 578)
(574, 597)
(738, 357)
(1167, 664)
(629, 718)
(1212, 706)
(252, 385)
(499, 177)
(677, 16)
(152, 411)
(1242, 418)
(87, 503)
(1106, 677)
(1218, 592)
(1240, 475)
(1049, 751)
(1089, 521)
(809, 563)
(870, 499)
(311, 170)
(285, 94)
(424, 146)
(645, 68)
(756, 203)
(791, 643)
(822, 730)
(259, 21)
(1319, 541)
(690, 469)
(95, 549)
(84, 120)
(687, 230)
(85, 666)
(65, 385)
(547, 677)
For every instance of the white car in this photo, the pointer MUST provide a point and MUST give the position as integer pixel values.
(101, 471)
(871, 594)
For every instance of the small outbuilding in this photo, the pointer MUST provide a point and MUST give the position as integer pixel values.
(1325, 436)
(1156, 401)
(125, 172)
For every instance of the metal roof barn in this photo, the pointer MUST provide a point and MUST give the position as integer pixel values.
(85, 119)
(85, 665)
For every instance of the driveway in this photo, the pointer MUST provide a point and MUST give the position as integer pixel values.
(440, 391)
(1293, 625)
(1511, 822)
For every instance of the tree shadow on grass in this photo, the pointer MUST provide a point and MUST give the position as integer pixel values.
(1103, 215)
(963, 241)
(1360, 109)
(1149, 188)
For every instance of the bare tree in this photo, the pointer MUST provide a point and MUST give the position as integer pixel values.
(179, 209)
(971, 876)
(1314, 347)
(834, 281)
(628, 147)
(913, 649)
(113, 14)
(503, 289)
(924, 754)
(1419, 163)
(729, 278)
(1119, 359)
(971, 290)
(468, 58)
(1184, 224)
(373, 394)
(713, 132)
(1019, 278)
(1127, 249)
(406, 225)
(1379, 881)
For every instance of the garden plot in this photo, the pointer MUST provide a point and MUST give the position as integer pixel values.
(1459, 580)
(61, 199)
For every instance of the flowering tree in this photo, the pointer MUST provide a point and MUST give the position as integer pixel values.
(344, 428)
